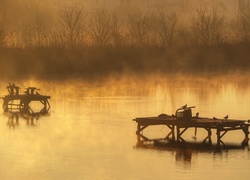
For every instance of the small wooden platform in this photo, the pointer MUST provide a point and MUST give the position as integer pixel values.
(178, 127)
(15, 102)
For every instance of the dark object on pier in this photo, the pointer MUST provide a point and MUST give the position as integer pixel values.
(183, 120)
(184, 113)
(16, 102)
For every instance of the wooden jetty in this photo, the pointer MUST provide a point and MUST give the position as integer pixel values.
(183, 120)
(16, 102)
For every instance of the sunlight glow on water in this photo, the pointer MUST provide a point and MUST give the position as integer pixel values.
(90, 134)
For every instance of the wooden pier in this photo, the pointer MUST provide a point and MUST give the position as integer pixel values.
(183, 120)
(16, 102)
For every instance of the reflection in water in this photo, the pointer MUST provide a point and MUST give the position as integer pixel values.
(13, 120)
(184, 155)
(31, 119)
(90, 132)
(184, 151)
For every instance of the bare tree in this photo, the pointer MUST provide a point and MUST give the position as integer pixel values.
(102, 27)
(116, 25)
(166, 28)
(55, 40)
(34, 33)
(3, 29)
(72, 24)
(241, 24)
(207, 25)
(13, 38)
(139, 27)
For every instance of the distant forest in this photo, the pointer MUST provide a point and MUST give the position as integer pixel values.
(79, 43)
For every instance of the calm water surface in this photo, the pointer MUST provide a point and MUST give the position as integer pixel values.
(89, 133)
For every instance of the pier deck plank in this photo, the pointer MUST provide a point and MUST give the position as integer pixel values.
(195, 122)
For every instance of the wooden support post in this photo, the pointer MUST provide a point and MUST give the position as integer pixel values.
(178, 133)
(195, 131)
(45, 105)
(140, 128)
(209, 134)
(246, 139)
(219, 141)
(171, 133)
(140, 137)
(5, 106)
(218, 136)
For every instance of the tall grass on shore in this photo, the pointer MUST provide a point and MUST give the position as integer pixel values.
(98, 63)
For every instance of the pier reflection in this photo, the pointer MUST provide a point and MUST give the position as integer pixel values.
(185, 152)
(16, 118)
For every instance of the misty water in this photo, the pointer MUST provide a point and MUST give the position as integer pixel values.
(89, 132)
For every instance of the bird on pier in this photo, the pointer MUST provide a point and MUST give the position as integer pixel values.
(226, 117)
(197, 114)
(184, 107)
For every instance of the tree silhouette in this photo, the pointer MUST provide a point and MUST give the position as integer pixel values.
(3, 29)
(100, 27)
(242, 24)
(72, 21)
(34, 33)
(139, 26)
(166, 28)
(206, 26)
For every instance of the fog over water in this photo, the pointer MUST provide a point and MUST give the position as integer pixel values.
(89, 132)
(106, 62)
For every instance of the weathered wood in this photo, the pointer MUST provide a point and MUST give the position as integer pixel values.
(23, 100)
(220, 125)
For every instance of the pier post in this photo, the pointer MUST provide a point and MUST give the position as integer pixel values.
(171, 133)
(246, 131)
(218, 136)
(178, 133)
(139, 142)
(209, 135)
(138, 129)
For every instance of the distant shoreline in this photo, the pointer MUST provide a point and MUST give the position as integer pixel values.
(97, 63)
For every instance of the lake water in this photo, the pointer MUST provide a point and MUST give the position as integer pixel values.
(89, 132)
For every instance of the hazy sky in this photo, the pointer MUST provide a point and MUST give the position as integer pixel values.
(20, 5)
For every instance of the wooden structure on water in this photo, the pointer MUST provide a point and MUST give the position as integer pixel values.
(16, 102)
(183, 120)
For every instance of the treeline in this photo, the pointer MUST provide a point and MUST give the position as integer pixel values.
(76, 27)
(102, 63)
(96, 44)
